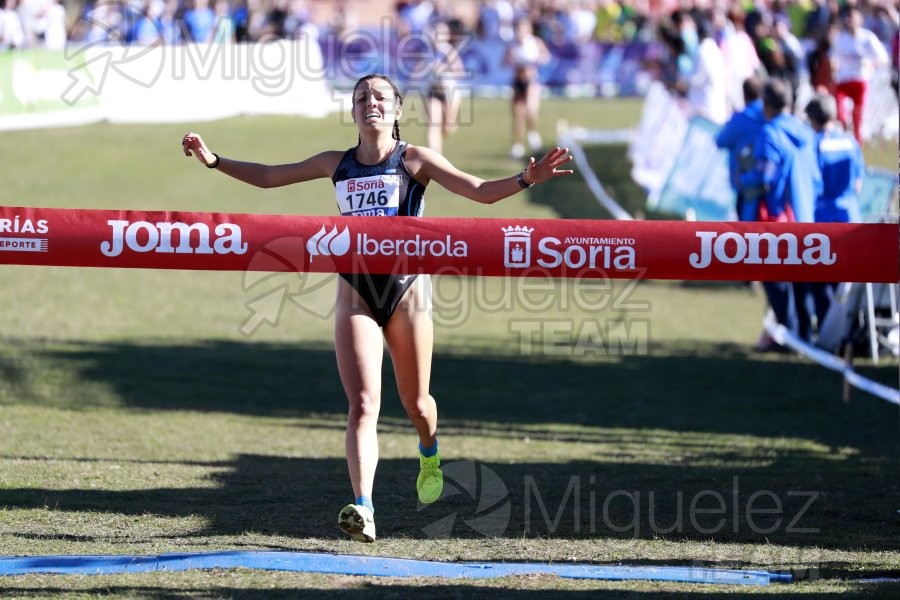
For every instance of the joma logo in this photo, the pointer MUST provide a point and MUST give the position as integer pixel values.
(143, 236)
(762, 249)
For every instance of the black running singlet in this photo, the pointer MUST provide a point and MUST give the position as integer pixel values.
(383, 190)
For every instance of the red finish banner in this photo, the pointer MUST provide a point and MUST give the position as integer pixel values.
(480, 247)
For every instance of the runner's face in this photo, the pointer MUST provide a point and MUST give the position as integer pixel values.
(375, 105)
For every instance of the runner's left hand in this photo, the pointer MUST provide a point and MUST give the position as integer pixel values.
(547, 167)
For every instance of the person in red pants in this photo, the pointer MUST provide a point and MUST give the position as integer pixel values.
(855, 54)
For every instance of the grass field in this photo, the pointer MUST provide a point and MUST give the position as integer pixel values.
(619, 423)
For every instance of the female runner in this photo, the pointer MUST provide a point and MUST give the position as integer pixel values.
(393, 308)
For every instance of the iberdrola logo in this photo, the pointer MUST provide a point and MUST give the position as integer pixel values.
(331, 243)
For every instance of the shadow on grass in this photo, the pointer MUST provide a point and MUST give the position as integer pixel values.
(701, 405)
(793, 502)
(684, 386)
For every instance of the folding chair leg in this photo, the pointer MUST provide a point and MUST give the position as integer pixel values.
(870, 317)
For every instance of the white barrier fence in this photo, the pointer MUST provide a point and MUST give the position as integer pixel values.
(785, 337)
(572, 139)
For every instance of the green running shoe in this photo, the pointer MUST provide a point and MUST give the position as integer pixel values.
(430, 482)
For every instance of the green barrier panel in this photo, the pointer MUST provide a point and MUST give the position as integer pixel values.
(698, 181)
(36, 81)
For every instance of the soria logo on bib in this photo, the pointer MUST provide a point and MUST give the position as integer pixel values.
(361, 185)
(732, 248)
(143, 236)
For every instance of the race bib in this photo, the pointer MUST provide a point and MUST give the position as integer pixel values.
(375, 196)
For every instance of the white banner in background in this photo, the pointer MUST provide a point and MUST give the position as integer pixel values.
(881, 114)
(163, 83)
(657, 140)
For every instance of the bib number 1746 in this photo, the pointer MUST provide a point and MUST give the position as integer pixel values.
(367, 199)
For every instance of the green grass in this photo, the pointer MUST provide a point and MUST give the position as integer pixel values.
(136, 418)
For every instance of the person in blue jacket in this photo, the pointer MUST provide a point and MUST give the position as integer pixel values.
(786, 170)
(841, 163)
(787, 176)
(738, 136)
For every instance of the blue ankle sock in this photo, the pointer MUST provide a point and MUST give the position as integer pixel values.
(428, 452)
(367, 502)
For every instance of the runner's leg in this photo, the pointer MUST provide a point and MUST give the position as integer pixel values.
(359, 348)
(410, 338)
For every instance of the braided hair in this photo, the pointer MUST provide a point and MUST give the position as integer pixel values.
(395, 133)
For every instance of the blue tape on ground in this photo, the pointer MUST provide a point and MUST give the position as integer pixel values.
(369, 566)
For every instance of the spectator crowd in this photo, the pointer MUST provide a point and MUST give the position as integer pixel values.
(787, 38)
(787, 169)
(702, 49)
